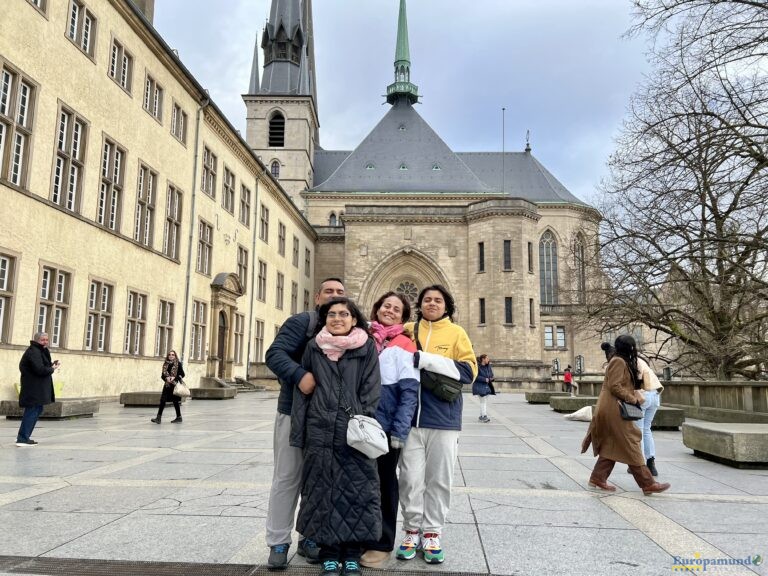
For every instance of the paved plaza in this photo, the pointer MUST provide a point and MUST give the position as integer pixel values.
(117, 487)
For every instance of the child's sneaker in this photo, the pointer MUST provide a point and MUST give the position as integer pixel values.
(409, 545)
(352, 568)
(433, 553)
(331, 568)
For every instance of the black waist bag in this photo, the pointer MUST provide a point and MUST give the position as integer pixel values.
(443, 387)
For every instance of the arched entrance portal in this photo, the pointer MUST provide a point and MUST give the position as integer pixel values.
(225, 290)
(406, 271)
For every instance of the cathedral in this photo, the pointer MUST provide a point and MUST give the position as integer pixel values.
(401, 210)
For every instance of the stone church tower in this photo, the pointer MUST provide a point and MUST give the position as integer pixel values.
(402, 210)
(282, 122)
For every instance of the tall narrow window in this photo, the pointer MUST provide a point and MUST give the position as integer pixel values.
(294, 298)
(548, 268)
(108, 210)
(239, 332)
(228, 191)
(172, 228)
(208, 184)
(580, 269)
(179, 123)
(135, 324)
(258, 341)
(560, 331)
(17, 99)
(508, 318)
(199, 323)
(71, 137)
(99, 323)
(264, 224)
(277, 130)
(549, 338)
(7, 272)
(120, 66)
(204, 247)
(481, 310)
(530, 257)
(280, 291)
(153, 98)
(81, 28)
(306, 300)
(281, 238)
(261, 281)
(481, 256)
(332, 219)
(146, 190)
(53, 305)
(164, 334)
(307, 262)
(274, 169)
(532, 318)
(245, 205)
(242, 267)
(295, 251)
(507, 255)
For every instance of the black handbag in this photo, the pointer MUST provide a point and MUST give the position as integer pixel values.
(630, 411)
(443, 387)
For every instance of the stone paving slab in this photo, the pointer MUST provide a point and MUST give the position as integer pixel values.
(119, 487)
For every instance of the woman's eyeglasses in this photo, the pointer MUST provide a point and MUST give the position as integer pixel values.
(342, 315)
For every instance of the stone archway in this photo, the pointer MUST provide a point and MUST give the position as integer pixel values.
(225, 290)
(406, 270)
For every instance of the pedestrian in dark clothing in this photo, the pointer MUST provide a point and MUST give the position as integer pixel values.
(340, 503)
(172, 373)
(284, 360)
(36, 370)
(483, 385)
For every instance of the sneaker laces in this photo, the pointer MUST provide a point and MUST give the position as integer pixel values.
(280, 548)
(431, 543)
(411, 540)
(330, 566)
(351, 566)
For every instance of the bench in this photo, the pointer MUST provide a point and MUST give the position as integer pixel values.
(668, 418)
(132, 399)
(541, 396)
(567, 404)
(735, 444)
(65, 408)
(213, 393)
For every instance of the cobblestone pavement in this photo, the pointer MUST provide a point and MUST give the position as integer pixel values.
(117, 487)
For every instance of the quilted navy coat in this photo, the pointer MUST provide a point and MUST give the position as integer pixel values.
(340, 499)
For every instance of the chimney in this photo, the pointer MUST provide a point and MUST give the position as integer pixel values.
(147, 7)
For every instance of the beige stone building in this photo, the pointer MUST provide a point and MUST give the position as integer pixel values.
(402, 210)
(134, 219)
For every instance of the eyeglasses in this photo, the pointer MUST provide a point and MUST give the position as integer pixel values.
(342, 315)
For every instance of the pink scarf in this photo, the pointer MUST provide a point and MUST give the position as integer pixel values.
(382, 333)
(334, 346)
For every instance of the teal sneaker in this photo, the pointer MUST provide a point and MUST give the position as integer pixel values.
(332, 568)
(408, 546)
(433, 553)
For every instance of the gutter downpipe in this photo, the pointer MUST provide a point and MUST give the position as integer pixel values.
(253, 272)
(203, 105)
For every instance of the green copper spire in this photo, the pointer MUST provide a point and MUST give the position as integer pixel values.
(402, 87)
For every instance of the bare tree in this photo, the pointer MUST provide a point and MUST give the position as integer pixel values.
(684, 241)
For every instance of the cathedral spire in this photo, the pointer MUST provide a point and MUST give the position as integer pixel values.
(402, 87)
(253, 85)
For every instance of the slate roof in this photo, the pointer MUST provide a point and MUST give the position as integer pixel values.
(401, 154)
(420, 148)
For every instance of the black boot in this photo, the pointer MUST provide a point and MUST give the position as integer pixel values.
(156, 420)
(651, 463)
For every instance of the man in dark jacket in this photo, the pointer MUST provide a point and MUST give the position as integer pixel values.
(36, 386)
(284, 359)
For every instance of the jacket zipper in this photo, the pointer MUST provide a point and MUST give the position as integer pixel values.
(418, 412)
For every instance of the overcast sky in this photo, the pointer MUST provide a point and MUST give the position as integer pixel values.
(561, 68)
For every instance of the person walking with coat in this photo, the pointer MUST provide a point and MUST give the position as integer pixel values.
(429, 457)
(483, 385)
(614, 439)
(399, 396)
(340, 505)
(36, 370)
(172, 373)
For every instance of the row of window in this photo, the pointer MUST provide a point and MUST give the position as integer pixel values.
(508, 311)
(548, 278)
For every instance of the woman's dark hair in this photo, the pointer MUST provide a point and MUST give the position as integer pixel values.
(169, 353)
(322, 313)
(609, 350)
(626, 349)
(450, 304)
(481, 358)
(404, 299)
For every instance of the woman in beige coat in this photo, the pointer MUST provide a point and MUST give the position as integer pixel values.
(614, 439)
